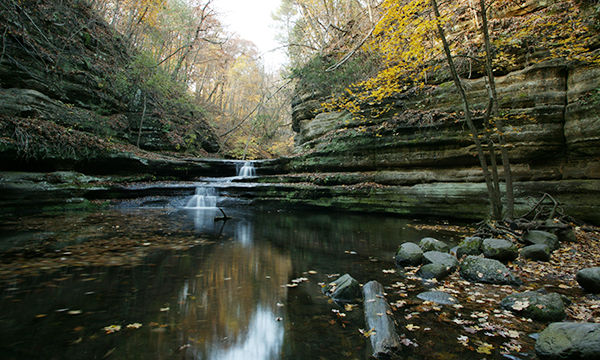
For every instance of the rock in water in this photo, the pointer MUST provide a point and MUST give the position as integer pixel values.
(429, 244)
(478, 269)
(589, 279)
(436, 257)
(536, 305)
(431, 271)
(343, 289)
(469, 246)
(537, 252)
(499, 249)
(567, 340)
(437, 297)
(541, 237)
(384, 340)
(409, 254)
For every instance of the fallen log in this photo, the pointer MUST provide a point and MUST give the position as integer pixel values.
(384, 338)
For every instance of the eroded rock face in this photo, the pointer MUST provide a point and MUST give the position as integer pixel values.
(423, 161)
(567, 340)
(478, 269)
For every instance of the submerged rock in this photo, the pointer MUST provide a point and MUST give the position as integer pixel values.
(541, 237)
(469, 246)
(343, 289)
(589, 279)
(437, 257)
(537, 252)
(409, 254)
(536, 305)
(568, 340)
(429, 244)
(478, 269)
(499, 249)
(438, 297)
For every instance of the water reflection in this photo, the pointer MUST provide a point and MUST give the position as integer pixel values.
(244, 232)
(262, 341)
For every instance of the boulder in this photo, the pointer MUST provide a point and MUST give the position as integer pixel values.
(568, 340)
(429, 244)
(536, 305)
(438, 297)
(469, 246)
(437, 257)
(499, 249)
(537, 252)
(409, 254)
(434, 271)
(491, 271)
(343, 289)
(589, 279)
(541, 237)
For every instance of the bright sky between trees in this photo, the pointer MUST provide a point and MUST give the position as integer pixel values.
(252, 20)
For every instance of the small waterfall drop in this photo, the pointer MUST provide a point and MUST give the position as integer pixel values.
(247, 170)
(205, 198)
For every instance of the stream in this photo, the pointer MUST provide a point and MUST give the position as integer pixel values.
(247, 288)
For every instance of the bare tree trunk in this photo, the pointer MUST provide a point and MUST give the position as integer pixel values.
(468, 119)
(510, 198)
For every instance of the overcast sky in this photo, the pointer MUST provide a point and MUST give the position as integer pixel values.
(251, 20)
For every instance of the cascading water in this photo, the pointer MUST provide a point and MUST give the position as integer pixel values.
(247, 170)
(205, 198)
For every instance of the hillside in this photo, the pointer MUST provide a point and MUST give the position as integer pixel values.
(75, 92)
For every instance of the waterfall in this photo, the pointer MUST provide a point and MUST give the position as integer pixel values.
(247, 170)
(205, 198)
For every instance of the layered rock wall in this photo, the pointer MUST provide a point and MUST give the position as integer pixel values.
(421, 160)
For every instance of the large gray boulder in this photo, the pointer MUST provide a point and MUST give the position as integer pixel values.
(568, 340)
(430, 244)
(409, 254)
(541, 237)
(537, 252)
(437, 257)
(499, 249)
(589, 279)
(469, 246)
(434, 271)
(343, 289)
(490, 271)
(536, 305)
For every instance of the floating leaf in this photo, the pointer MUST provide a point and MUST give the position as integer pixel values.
(112, 329)
(134, 326)
(485, 348)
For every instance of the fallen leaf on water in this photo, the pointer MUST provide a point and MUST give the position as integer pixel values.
(349, 307)
(312, 272)
(165, 309)
(485, 348)
(389, 271)
(39, 316)
(367, 333)
(411, 327)
(112, 328)
(74, 312)
(134, 326)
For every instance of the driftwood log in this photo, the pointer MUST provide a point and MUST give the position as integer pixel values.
(384, 338)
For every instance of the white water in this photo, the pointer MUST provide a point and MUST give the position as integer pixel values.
(205, 198)
(247, 170)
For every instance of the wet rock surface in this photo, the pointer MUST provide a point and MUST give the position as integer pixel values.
(567, 340)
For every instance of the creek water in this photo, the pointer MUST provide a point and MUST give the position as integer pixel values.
(230, 293)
